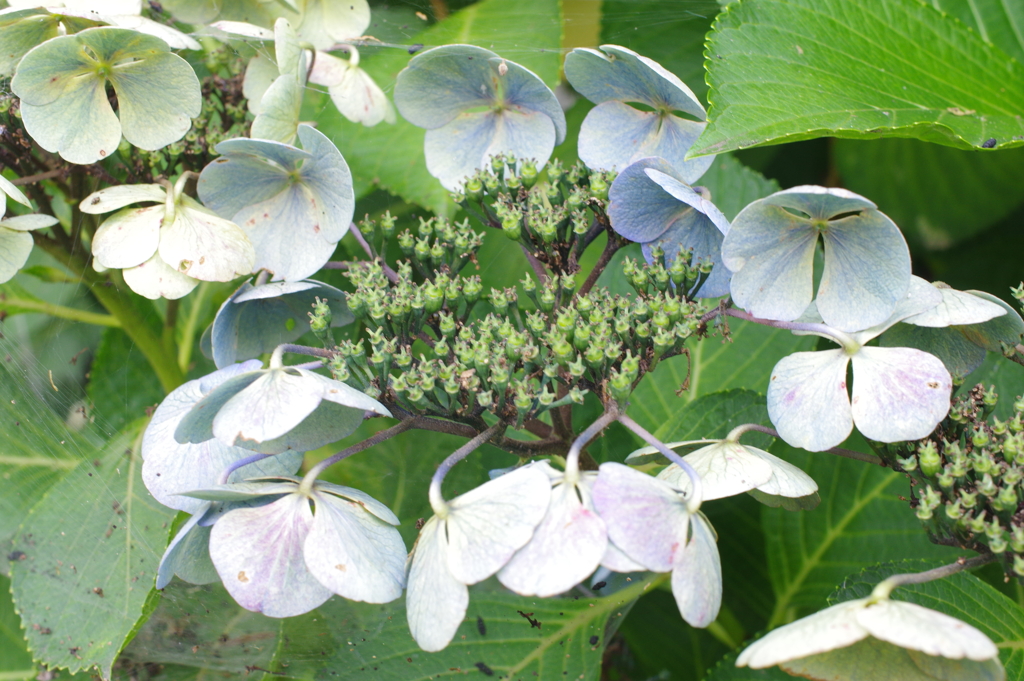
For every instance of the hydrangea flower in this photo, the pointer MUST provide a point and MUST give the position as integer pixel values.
(352, 90)
(727, 468)
(282, 559)
(615, 134)
(64, 106)
(898, 393)
(770, 250)
(960, 330)
(170, 468)
(569, 542)
(476, 105)
(15, 241)
(294, 204)
(467, 540)
(848, 641)
(655, 527)
(276, 409)
(256, 319)
(165, 249)
(650, 204)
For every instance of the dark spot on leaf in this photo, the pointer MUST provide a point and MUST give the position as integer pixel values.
(594, 640)
(480, 626)
(98, 591)
(484, 669)
(989, 143)
(600, 585)
(534, 624)
(16, 555)
(413, 49)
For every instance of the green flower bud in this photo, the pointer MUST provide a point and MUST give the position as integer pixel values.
(987, 486)
(1018, 566)
(594, 356)
(979, 437)
(599, 187)
(968, 499)
(546, 397)
(1017, 539)
(474, 189)
(929, 458)
(1006, 500)
(563, 352)
(954, 511)
(908, 464)
(472, 288)
(977, 525)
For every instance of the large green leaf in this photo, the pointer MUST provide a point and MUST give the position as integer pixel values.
(937, 195)
(391, 156)
(121, 384)
(860, 520)
(87, 556)
(962, 595)
(799, 69)
(15, 660)
(996, 21)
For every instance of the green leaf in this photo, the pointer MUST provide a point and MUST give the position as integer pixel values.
(726, 670)
(91, 547)
(1006, 376)
(962, 595)
(996, 21)
(937, 195)
(785, 71)
(402, 170)
(860, 520)
(16, 662)
(62, 86)
(734, 185)
(121, 384)
(744, 360)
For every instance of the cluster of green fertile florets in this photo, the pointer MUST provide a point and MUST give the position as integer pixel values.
(967, 476)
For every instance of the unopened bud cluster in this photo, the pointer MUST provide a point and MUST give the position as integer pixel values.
(440, 345)
(555, 220)
(966, 478)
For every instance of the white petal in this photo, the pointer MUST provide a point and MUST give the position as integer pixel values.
(271, 406)
(565, 548)
(258, 555)
(918, 628)
(29, 222)
(787, 480)
(244, 29)
(808, 401)
(205, 246)
(260, 74)
(645, 517)
(172, 36)
(697, 575)
(360, 99)
(832, 628)
(129, 237)
(343, 394)
(617, 561)
(113, 198)
(490, 523)
(360, 497)
(15, 247)
(899, 393)
(156, 279)
(353, 553)
(725, 469)
(436, 602)
(957, 307)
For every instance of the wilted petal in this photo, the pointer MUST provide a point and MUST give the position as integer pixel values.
(898, 393)
(436, 601)
(129, 237)
(565, 548)
(462, 147)
(354, 553)
(614, 135)
(156, 279)
(832, 628)
(808, 400)
(697, 575)
(204, 246)
(258, 553)
(645, 517)
(912, 626)
(488, 524)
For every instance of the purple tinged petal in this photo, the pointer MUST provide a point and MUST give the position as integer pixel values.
(639, 209)
(899, 393)
(808, 400)
(436, 601)
(566, 547)
(487, 525)
(353, 553)
(697, 575)
(258, 553)
(645, 517)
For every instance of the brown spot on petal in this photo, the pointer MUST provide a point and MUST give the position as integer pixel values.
(202, 259)
(242, 576)
(340, 567)
(933, 384)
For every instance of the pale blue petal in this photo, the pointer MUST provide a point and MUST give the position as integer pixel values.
(899, 393)
(258, 553)
(188, 554)
(639, 209)
(439, 84)
(329, 180)
(240, 179)
(820, 203)
(464, 145)
(808, 400)
(627, 76)
(197, 425)
(615, 135)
